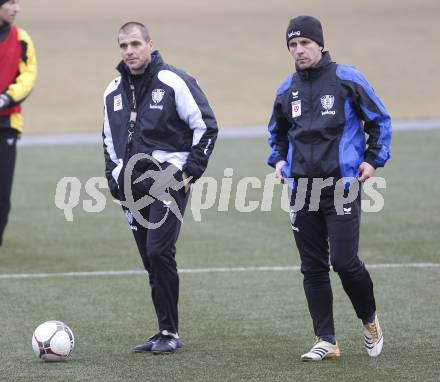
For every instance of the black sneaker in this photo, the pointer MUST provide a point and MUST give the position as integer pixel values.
(147, 345)
(166, 343)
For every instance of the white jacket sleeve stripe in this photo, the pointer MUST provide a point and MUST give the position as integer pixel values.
(186, 105)
(108, 139)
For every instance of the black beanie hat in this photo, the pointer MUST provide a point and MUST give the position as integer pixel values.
(2, 2)
(305, 26)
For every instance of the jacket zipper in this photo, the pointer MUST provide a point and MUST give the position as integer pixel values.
(312, 165)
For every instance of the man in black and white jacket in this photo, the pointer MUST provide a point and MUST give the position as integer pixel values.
(157, 124)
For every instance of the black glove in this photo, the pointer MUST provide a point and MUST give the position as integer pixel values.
(5, 101)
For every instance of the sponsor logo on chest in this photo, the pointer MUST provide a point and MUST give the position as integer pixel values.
(117, 102)
(296, 108)
(296, 104)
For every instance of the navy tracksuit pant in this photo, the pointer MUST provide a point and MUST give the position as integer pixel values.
(324, 235)
(8, 151)
(157, 247)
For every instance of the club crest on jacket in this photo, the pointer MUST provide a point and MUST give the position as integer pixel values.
(327, 103)
(157, 95)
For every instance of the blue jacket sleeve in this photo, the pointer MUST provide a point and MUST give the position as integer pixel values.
(377, 121)
(278, 128)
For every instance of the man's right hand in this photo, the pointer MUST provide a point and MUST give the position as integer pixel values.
(186, 181)
(278, 173)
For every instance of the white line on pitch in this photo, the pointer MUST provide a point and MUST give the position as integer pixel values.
(199, 270)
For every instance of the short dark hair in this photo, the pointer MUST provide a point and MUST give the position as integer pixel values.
(128, 27)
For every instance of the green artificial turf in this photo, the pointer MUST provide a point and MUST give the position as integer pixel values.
(236, 326)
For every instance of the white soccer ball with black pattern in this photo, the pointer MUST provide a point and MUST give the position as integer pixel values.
(53, 341)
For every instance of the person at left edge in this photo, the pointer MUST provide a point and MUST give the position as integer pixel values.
(18, 69)
(156, 109)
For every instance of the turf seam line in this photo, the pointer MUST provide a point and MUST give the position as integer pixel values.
(199, 270)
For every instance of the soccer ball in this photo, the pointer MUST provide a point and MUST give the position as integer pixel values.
(53, 341)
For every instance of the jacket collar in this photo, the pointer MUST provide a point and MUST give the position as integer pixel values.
(152, 68)
(316, 70)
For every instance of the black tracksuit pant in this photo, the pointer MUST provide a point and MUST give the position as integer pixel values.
(157, 247)
(324, 234)
(8, 145)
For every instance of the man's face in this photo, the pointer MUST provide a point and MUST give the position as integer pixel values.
(135, 51)
(8, 12)
(306, 53)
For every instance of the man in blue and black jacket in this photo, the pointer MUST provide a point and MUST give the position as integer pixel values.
(159, 132)
(317, 131)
